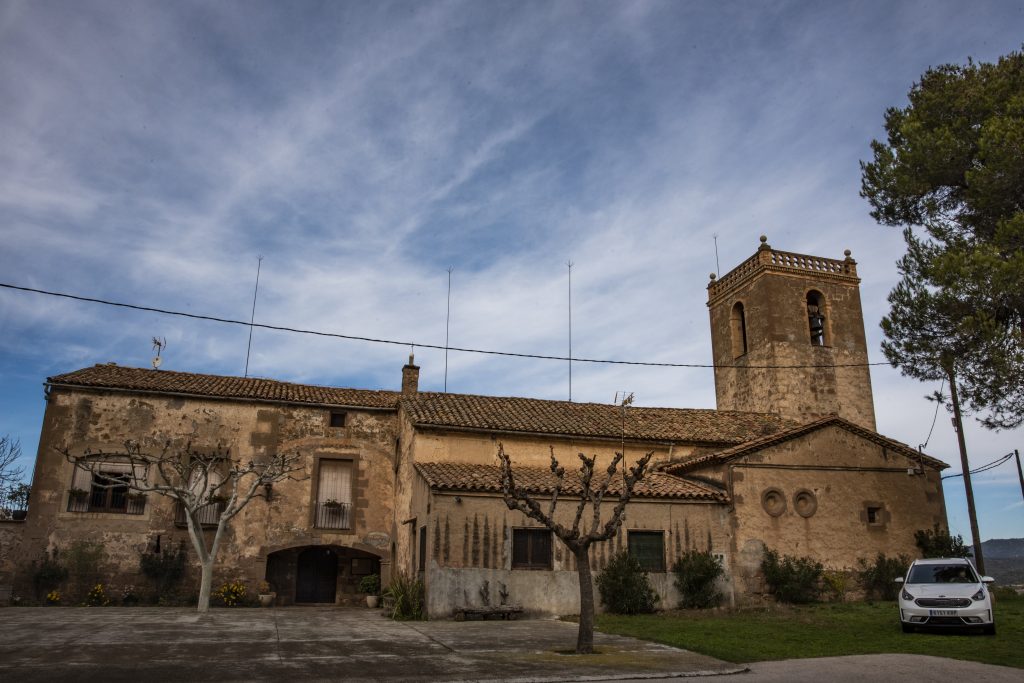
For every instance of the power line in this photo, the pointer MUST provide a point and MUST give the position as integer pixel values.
(394, 342)
(938, 404)
(984, 468)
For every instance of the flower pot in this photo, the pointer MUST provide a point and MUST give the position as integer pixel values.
(267, 599)
(372, 601)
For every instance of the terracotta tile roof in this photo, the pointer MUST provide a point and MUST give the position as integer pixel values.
(111, 376)
(529, 415)
(458, 476)
(795, 432)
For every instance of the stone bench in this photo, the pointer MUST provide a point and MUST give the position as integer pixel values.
(503, 611)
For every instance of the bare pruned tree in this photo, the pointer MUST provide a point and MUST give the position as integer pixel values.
(10, 451)
(211, 487)
(576, 540)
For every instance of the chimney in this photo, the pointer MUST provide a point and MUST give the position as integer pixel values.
(410, 377)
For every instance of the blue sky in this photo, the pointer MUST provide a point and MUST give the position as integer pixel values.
(151, 151)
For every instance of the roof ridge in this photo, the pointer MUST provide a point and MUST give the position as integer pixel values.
(442, 395)
(797, 431)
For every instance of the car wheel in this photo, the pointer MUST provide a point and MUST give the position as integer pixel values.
(907, 628)
(989, 629)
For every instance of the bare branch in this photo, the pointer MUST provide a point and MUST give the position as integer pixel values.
(195, 479)
(586, 472)
(559, 473)
(10, 451)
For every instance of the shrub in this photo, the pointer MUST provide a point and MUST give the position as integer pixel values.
(792, 579)
(696, 573)
(878, 578)
(128, 596)
(370, 584)
(48, 574)
(836, 583)
(624, 586)
(97, 597)
(937, 542)
(165, 570)
(230, 594)
(408, 595)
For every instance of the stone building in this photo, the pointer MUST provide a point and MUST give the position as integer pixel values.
(408, 481)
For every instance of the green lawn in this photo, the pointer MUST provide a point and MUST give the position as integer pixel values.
(824, 630)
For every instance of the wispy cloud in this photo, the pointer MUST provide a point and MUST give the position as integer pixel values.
(152, 151)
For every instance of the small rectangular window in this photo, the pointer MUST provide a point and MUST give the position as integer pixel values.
(874, 515)
(337, 419)
(531, 549)
(649, 548)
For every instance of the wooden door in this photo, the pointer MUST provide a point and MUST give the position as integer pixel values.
(316, 576)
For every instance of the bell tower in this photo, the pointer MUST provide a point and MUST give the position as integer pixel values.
(787, 335)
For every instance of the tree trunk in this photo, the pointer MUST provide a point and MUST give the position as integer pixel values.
(205, 584)
(972, 513)
(585, 638)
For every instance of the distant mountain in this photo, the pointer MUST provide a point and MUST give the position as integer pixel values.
(1003, 548)
(1004, 560)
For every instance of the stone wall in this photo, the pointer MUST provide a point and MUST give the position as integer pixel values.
(412, 496)
(810, 497)
(102, 421)
(11, 533)
(470, 541)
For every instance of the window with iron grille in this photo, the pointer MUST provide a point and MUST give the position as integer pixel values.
(334, 495)
(104, 487)
(648, 547)
(531, 549)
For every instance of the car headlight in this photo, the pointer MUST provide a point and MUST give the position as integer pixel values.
(980, 595)
(906, 596)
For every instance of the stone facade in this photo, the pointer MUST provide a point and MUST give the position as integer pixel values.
(760, 331)
(789, 461)
(87, 419)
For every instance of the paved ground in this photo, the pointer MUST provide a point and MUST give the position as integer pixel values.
(160, 644)
(864, 668)
(166, 644)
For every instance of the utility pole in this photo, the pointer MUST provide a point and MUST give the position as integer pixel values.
(1020, 473)
(979, 560)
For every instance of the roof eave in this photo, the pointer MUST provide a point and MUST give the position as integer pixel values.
(214, 397)
(564, 435)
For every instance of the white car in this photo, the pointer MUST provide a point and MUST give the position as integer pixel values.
(945, 592)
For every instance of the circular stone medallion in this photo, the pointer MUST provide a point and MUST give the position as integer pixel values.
(773, 501)
(805, 503)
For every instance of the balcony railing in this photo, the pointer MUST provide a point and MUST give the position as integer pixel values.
(333, 516)
(209, 514)
(107, 500)
(13, 504)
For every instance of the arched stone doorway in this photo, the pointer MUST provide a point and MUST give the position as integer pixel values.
(320, 574)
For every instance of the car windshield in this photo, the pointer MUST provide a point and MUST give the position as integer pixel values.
(942, 573)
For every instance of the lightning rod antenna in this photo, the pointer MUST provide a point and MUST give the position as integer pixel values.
(447, 322)
(252, 318)
(718, 269)
(570, 264)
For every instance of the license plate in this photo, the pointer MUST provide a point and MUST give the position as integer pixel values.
(942, 612)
